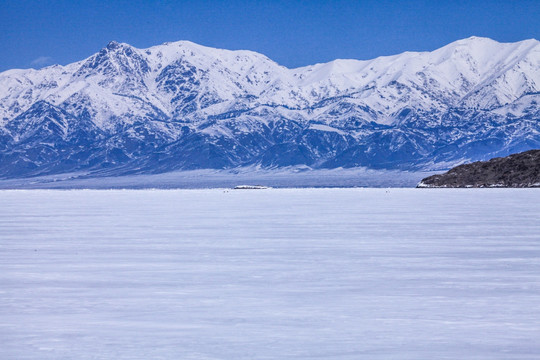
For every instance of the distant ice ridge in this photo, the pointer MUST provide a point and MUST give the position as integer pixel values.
(286, 177)
(181, 106)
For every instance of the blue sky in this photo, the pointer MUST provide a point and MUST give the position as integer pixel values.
(293, 33)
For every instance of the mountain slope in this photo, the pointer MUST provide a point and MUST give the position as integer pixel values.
(185, 106)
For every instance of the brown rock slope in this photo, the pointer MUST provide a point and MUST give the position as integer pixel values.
(517, 170)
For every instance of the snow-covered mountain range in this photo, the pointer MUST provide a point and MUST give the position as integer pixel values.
(185, 106)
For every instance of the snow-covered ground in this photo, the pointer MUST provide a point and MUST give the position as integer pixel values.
(270, 274)
(210, 178)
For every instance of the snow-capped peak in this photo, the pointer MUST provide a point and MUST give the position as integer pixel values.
(181, 88)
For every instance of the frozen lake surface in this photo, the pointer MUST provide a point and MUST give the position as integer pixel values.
(270, 274)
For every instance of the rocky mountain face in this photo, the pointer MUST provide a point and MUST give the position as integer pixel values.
(184, 106)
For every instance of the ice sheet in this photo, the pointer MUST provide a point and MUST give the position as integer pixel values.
(270, 274)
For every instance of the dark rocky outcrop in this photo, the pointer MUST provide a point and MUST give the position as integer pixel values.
(517, 170)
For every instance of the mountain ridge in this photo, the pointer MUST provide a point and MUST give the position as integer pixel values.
(182, 105)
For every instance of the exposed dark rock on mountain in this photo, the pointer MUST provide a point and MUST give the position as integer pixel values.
(517, 170)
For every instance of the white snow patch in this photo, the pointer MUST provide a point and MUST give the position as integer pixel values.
(322, 127)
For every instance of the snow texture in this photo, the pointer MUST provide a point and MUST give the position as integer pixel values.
(204, 179)
(184, 106)
(270, 274)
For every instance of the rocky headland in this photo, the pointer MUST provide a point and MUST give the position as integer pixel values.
(517, 170)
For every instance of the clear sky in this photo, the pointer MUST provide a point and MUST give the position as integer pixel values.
(294, 33)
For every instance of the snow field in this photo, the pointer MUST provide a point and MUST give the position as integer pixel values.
(270, 274)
